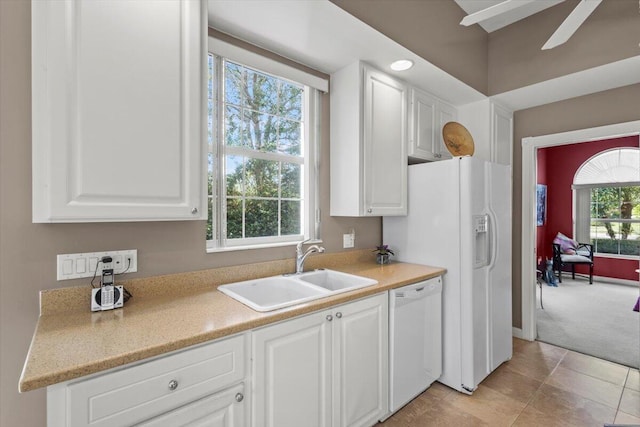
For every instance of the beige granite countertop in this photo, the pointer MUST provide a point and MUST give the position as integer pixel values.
(172, 312)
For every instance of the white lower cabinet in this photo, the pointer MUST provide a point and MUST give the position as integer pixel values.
(328, 368)
(198, 380)
(325, 369)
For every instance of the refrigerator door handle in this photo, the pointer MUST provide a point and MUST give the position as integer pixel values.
(493, 238)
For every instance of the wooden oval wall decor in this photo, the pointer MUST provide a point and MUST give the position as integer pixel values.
(457, 139)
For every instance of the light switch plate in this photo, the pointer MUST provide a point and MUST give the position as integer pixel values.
(77, 266)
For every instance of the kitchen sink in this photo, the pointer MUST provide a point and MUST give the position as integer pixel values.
(273, 293)
(336, 281)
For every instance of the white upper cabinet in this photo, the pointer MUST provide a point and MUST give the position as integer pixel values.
(501, 135)
(491, 127)
(445, 113)
(427, 117)
(368, 143)
(119, 105)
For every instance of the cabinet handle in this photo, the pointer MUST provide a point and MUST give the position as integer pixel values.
(339, 315)
(173, 384)
(239, 397)
(329, 317)
(194, 211)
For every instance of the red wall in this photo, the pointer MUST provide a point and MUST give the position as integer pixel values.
(541, 234)
(557, 167)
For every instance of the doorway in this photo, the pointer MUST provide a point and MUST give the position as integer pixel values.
(529, 214)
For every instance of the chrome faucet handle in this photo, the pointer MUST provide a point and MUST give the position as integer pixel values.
(299, 245)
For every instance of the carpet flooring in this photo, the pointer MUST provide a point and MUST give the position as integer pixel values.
(597, 319)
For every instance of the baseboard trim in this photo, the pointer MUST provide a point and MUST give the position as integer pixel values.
(625, 282)
(612, 280)
(517, 332)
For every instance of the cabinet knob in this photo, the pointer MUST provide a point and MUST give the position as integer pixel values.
(339, 315)
(194, 211)
(239, 397)
(369, 210)
(173, 384)
(329, 317)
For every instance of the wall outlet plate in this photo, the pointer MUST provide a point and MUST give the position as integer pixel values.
(77, 266)
(348, 240)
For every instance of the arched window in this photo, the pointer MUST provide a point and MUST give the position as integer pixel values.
(607, 202)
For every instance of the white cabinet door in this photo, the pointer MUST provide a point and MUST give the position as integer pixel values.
(368, 143)
(224, 409)
(445, 113)
(422, 125)
(385, 142)
(360, 368)
(324, 369)
(428, 117)
(292, 373)
(118, 110)
(501, 135)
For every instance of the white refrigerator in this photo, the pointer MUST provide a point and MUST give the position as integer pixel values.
(460, 218)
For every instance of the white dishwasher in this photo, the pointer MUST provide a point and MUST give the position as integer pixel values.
(415, 340)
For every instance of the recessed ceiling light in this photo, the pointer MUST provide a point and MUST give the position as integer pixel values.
(402, 64)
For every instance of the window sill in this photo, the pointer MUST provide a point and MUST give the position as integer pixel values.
(260, 246)
(626, 257)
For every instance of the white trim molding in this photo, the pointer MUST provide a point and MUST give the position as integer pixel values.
(517, 333)
(245, 57)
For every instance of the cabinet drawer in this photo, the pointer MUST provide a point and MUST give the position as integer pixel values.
(223, 409)
(134, 394)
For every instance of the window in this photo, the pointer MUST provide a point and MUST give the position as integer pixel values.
(262, 157)
(615, 220)
(607, 202)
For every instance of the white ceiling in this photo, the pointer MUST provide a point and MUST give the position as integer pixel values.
(528, 9)
(324, 37)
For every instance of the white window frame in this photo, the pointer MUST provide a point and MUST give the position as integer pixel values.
(582, 207)
(310, 165)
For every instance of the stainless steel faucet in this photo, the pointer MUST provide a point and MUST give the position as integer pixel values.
(301, 256)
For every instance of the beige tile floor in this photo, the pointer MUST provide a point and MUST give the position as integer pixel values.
(542, 385)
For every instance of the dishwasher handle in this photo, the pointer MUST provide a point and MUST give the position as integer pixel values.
(411, 294)
(420, 290)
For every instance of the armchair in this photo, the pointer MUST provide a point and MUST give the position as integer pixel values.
(583, 255)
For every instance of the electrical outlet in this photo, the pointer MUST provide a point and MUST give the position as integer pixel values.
(349, 240)
(77, 266)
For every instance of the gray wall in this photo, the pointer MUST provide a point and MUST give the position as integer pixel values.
(28, 251)
(611, 33)
(510, 57)
(430, 29)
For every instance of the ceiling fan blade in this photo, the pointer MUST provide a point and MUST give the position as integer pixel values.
(572, 23)
(493, 11)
